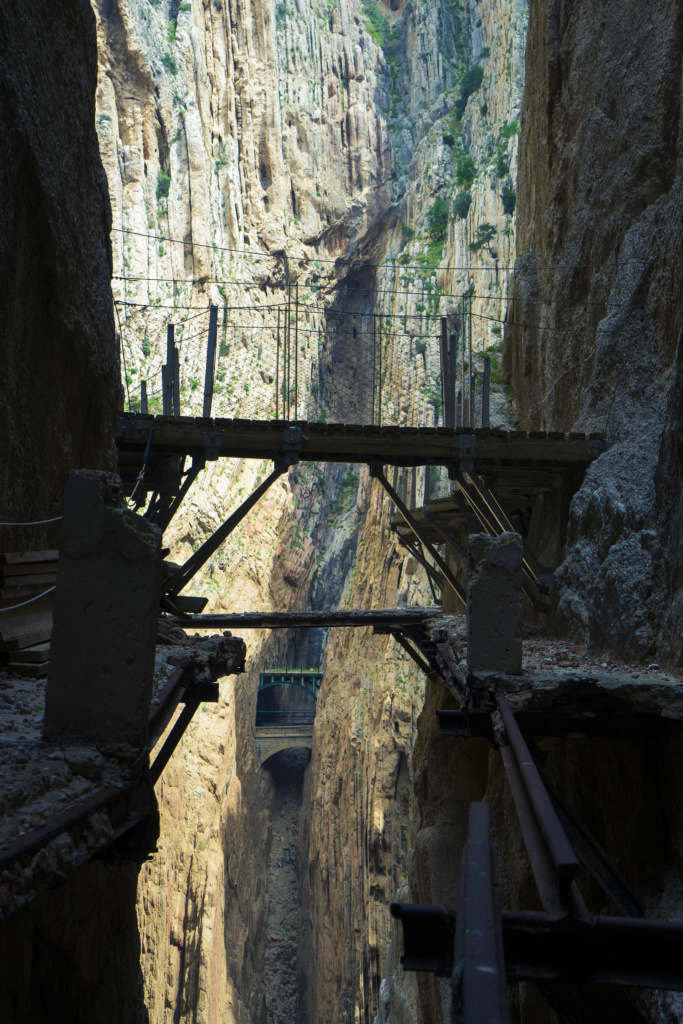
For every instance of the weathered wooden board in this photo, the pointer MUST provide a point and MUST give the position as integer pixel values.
(23, 557)
(34, 670)
(12, 629)
(38, 652)
(7, 582)
(28, 640)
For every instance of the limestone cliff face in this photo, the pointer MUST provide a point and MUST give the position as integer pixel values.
(329, 131)
(55, 265)
(598, 274)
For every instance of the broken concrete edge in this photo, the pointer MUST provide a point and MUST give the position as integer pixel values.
(43, 859)
(621, 692)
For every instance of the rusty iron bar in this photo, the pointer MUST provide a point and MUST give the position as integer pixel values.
(606, 950)
(173, 739)
(378, 474)
(419, 660)
(389, 617)
(553, 861)
(166, 516)
(168, 699)
(210, 361)
(183, 576)
(32, 841)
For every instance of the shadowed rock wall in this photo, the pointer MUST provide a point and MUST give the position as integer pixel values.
(73, 955)
(60, 377)
(599, 274)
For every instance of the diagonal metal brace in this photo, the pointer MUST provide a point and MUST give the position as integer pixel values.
(181, 578)
(553, 861)
(377, 473)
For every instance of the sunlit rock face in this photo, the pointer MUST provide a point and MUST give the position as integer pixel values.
(322, 132)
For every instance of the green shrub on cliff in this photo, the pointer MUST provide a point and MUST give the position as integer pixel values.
(377, 24)
(461, 206)
(509, 199)
(465, 170)
(437, 219)
(471, 81)
(485, 235)
(170, 63)
(163, 184)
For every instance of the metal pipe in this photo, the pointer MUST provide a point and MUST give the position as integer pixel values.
(296, 351)
(486, 394)
(471, 419)
(277, 367)
(183, 576)
(552, 858)
(210, 360)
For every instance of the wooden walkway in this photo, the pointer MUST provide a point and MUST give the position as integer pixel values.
(487, 449)
(496, 470)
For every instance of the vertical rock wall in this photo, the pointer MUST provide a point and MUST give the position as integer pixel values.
(598, 272)
(63, 957)
(60, 379)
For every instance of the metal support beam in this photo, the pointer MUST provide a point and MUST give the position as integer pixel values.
(448, 372)
(486, 394)
(378, 474)
(421, 662)
(166, 516)
(176, 381)
(478, 980)
(391, 618)
(412, 544)
(173, 738)
(180, 579)
(553, 862)
(211, 360)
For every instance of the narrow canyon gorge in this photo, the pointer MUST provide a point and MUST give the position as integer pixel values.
(333, 180)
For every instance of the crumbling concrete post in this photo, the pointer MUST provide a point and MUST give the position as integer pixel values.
(105, 617)
(494, 603)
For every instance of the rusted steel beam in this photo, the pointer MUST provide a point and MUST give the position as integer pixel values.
(181, 578)
(34, 840)
(377, 473)
(310, 620)
(553, 861)
(421, 662)
(469, 947)
(549, 723)
(173, 739)
(168, 699)
(606, 950)
(603, 950)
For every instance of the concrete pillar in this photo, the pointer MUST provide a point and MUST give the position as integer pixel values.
(494, 603)
(105, 617)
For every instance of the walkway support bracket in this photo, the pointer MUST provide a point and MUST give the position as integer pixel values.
(181, 578)
(377, 473)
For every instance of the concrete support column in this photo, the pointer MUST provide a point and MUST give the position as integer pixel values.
(105, 617)
(494, 603)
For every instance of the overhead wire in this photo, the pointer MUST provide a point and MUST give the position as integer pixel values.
(376, 266)
(372, 291)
